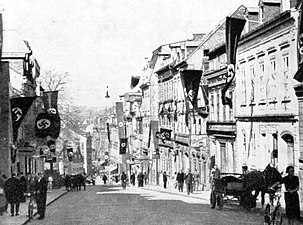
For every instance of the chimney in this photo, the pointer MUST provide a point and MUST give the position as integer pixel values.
(253, 20)
(198, 37)
(269, 9)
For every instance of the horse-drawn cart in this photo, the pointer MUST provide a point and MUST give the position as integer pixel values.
(228, 187)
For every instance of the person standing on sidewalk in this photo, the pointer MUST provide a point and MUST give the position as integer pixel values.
(13, 193)
(189, 177)
(50, 183)
(292, 202)
(23, 183)
(3, 202)
(165, 179)
(41, 193)
(180, 180)
(133, 178)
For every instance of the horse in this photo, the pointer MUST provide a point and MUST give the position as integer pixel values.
(259, 181)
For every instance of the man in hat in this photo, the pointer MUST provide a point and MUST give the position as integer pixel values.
(41, 192)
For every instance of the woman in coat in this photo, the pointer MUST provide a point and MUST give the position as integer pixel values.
(291, 183)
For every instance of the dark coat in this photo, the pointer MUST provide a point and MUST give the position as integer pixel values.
(180, 177)
(41, 188)
(13, 190)
(41, 192)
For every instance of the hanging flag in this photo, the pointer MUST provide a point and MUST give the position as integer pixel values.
(123, 144)
(19, 108)
(134, 81)
(108, 131)
(234, 27)
(47, 125)
(299, 74)
(120, 120)
(191, 82)
(50, 101)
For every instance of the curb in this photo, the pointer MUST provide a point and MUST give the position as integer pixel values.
(47, 204)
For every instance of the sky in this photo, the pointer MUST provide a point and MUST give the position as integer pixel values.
(104, 42)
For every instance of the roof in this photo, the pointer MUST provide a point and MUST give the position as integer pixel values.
(13, 45)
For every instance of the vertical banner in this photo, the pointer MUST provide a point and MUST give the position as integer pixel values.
(120, 120)
(108, 131)
(234, 27)
(123, 144)
(50, 101)
(191, 82)
(19, 108)
(134, 81)
(299, 74)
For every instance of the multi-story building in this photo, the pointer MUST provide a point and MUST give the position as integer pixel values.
(19, 74)
(266, 106)
(174, 123)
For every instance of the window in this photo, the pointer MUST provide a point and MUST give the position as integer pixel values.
(252, 82)
(243, 86)
(212, 107)
(218, 106)
(286, 76)
(262, 81)
(271, 84)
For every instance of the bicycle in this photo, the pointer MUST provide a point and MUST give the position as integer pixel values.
(273, 215)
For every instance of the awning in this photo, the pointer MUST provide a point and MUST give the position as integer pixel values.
(114, 171)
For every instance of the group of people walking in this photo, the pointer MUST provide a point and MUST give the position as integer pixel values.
(16, 188)
(181, 179)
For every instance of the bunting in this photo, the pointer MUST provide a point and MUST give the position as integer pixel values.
(123, 144)
(50, 101)
(299, 74)
(47, 125)
(120, 119)
(234, 27)
(19, 108)
(134, 81)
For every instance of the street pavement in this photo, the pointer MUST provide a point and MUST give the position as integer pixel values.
(110, 204)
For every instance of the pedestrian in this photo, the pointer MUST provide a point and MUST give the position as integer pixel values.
(41, 193)
(165, 179)
(13, 192)
(133, 179)
(50, 183)
(140, 178)
(3, 201)
(189, 178)
(174, 180)
(145, 178)
(291, 183)
(215, 174)
(180, 180)
(23, 187)
(104, 178)
(123, 180)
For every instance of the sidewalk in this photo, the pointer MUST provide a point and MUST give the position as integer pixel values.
(7, 219)
(203, 195)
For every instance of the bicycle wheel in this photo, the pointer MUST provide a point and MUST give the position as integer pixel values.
(277, 215)
(267, 214)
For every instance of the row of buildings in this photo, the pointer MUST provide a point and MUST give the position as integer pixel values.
(21, 103)
(260, 126)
